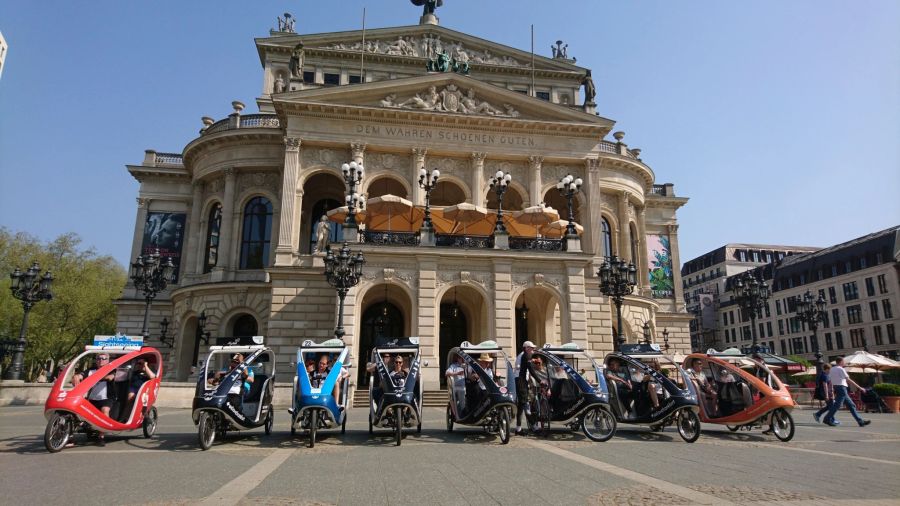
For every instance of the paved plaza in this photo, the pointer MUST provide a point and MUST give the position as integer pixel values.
(822, 465)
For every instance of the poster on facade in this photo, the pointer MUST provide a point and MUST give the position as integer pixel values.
(165, 231)
(662, 284)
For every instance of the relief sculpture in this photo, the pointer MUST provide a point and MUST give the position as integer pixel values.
(450, 99)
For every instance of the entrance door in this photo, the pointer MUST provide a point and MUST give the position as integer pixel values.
(453, 332)
(381, 321)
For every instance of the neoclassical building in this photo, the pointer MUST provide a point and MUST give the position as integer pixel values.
(237, 208)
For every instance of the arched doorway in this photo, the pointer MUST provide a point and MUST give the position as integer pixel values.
(453, 331)
(447, 193)
(190, 350)
(386, 186)
(245, 326)
(538, 318)
(322, 192)
(380, 321)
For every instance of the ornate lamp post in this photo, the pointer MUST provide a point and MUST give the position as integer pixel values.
(568, 187)
(499, 185)
(666, 339)
(428, 182)
(151, 275)
(29, 288)
(751, 295)
(353, 174)
(343, 271)
(163, 333)
(812, 310)
(617, 279)
(648, 338)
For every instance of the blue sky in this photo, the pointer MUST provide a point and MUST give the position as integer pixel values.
(780, 120)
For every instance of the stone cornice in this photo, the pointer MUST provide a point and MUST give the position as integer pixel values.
(237, 137)
(644, 172)
(141, 172)
(659, 201)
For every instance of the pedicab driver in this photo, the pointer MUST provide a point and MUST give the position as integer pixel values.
(456, 378)
(523, 364)
(98, 395)
(240, 388)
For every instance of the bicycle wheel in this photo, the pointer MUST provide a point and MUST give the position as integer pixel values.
(57, 433)
(598, 424)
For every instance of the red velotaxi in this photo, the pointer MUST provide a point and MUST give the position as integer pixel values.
(741, 392)
(110, 387)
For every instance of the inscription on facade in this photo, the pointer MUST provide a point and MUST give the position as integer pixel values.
(399, 132)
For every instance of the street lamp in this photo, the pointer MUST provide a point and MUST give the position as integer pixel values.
(151, 275)
(202, 333)
(428, 183)
(568, 187)
(751, 295)
(499, 185)
(647, 337)
(343, 271)
(812, 310)
(666, 339)
(29, 288)
(617, 279)
(353, 175)
(163, 333)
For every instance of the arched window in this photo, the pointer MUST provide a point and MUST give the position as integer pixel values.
(607, 238)
(256, 233)
(213, 225)
(245, 326)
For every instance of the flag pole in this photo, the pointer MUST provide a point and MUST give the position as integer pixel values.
(533, 92)
(362, 50)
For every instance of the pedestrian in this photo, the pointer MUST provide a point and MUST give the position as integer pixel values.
(523, 363)
(839, 380)
(824, 391)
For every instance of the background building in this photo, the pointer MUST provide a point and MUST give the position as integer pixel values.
(859, 281)
(237, 208)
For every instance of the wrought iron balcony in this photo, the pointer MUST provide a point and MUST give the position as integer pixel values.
(235, 122)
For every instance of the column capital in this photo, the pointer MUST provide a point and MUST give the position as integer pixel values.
(357, 149)
(478, 158)
(197, 185)
(229, 172)
(672, 228)
(292, 143)
(535, 161)
(143, 202)
(592, 165)
(419, 152)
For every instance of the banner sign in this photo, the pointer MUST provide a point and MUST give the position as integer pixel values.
(662, 283)
(119, 340)
(165, 231)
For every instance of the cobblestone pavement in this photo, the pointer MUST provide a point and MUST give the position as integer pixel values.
(822, 465)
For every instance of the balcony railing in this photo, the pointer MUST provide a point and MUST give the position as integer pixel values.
(536, 244)
(390, 238)
(460, 241)
(169, 159)
(246, 121)
(464, 241)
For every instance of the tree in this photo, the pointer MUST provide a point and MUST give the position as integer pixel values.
(84, 288)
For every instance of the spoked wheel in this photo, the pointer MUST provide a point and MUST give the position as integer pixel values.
(398, 425)
(503, 425)
(313, 425)
(449, 419)
(206, 430)
(149, 423)
(733, 428)
(544, 415)
(782, 425)
(270, 421)
(370, 423)
(598, 425)
(688, 425)
(57, 433)
(344, 423)
(419, 426)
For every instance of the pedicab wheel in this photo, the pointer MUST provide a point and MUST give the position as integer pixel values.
(449, 419)
(503, 426)
(370, 424)
(782, 425)
(313, 425)
(598, 425)
(270, 421)
(344, 423)
(733, 428)
(206, 430)
(419, 427)
(688, 425)
(149, 423)
(544, 416)
(398, 425)
(57, 433)
(293, 430)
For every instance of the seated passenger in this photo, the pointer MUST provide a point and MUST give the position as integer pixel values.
(344, 374)
(99, 394)
(708, 395)
(619, 379)
(399, 372)
(736, 394)
(650, 388)
(486, 361)
(240, 388)
(139, 376)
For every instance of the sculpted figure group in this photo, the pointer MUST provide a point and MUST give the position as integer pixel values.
(450, 99)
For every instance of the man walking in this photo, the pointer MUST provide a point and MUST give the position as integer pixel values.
(825, 391)
(523, 363)
(839, 380)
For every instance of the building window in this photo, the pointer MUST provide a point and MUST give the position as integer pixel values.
(854, 314)
(761, 330)
(834, 270)
(607, 238)
(857, 336)
(256, 233)
(766, 308)
(245, 326)
(876, 331)
(839, 340)
(828, 344)
(733, 335)
(309, 77)
(888, 313)
(780, 327)
(832, 294)
(892, 338)
(745, 333)
(731, 316)
(870, 287)
(798, 343)
(724, 318)
(778, 307)
(873, 311)
(213, 226)
(825, 319)
(882, 284)
(543, 95)
(332, 79)
(836, 317)
(783, 348)
(769, 329)
(354, 79)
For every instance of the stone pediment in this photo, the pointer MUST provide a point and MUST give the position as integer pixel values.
(420, 42)
(440, 93)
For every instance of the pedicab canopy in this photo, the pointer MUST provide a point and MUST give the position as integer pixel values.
(240, 341)
(775, 362)
(118, 341)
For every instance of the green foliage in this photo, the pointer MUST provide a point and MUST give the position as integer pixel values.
(887, 389)
(800, 360)
(84, 287)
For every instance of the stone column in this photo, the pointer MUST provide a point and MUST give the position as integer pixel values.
(284, 252)
(593, 226)
(418, 161)
(677, 290)
(427, 323)
(478, 178)
(358, 152)
(143, 207)
(624, 250)
(534, 185)
(195, 243)
(575, 293)
(644, 270)
(504, 321)
(225, 262)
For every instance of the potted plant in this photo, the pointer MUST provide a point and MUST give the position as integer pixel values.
(891, 395)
